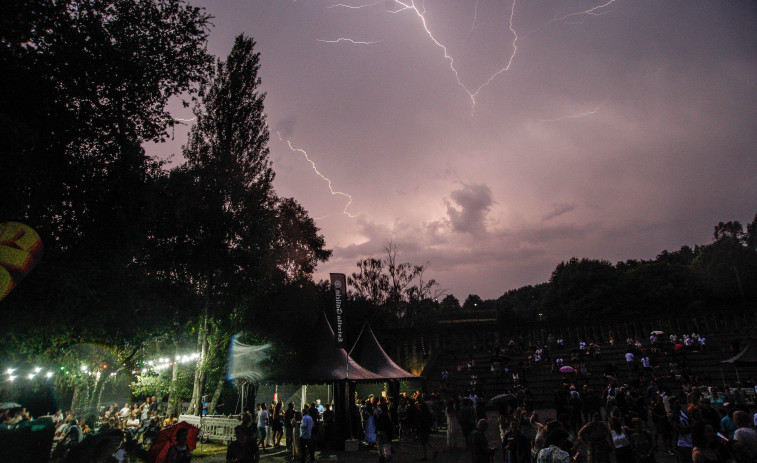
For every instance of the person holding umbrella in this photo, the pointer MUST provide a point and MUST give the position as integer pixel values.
(180, 452)
(174, 444)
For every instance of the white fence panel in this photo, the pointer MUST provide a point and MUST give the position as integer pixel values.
(216, 427)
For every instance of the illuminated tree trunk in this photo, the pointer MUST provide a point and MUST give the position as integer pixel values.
(199, 380)
(216, 395)
(173, 400)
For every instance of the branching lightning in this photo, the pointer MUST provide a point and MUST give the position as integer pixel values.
(404, 6)
(575, 116)
(351, 7)
(420, 11)
(315, 169)
(594, 11)
(343, 39)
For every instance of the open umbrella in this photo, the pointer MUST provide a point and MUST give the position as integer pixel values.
(167, 438)
(658, 332)
(501, 400)
(567, 369)
(503, 359)
(9, 405)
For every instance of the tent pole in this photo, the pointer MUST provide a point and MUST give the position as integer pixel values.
(722, 376)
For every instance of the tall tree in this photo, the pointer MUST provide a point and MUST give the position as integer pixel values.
(241, 238)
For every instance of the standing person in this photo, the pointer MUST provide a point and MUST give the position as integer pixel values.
(403, 416)
(384, 430)
(642, 443)
(681, 424)
(369, 423)
(517, 448)
(454, 432)
(596, 435)
(269, 427)
(745, 438)
(479, 446)
(329, 427)
(306, 435)
(243, 449)
(467, 418)
(262, 422)
(425, 423)
(154, 405)
(288, 416)
(706, 447)
(277, 424)
(179, 452)
(662, 426)
(621, 441)
(296, 449)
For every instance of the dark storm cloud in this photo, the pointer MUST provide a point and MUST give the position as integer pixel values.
(471, 205)
(559, 209)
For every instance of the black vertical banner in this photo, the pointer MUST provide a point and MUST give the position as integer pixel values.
(339, 288)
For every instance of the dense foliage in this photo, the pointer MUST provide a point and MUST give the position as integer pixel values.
(721, 274)
(144, 261)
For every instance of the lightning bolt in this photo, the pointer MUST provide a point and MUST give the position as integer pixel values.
(342, 39)
(475, 15)
(351, 7)
(315, 169)
(575, 116)
(472, 94)
(594, 11)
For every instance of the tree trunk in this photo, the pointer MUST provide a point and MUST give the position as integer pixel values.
(216, 395)
(102, 388)
(172, 399)
(94, 399)
(195, 406)
(76, 398)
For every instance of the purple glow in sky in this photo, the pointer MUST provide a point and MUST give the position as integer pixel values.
(618, 129)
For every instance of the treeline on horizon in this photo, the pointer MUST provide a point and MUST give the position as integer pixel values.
(720, 275)
(710, 277)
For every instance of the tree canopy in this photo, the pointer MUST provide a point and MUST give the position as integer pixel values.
(145, 260)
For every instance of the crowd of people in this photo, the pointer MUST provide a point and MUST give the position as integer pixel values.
(123, 432)
(655, 406)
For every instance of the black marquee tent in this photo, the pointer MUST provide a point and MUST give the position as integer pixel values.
(368, 352)
(325, 362)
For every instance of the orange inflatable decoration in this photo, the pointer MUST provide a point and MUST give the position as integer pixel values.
(20, 250)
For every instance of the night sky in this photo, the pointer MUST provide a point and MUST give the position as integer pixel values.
(619, 129)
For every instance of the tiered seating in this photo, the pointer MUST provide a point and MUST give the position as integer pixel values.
(542, 382)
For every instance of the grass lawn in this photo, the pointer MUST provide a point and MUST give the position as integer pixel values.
(209, 449)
